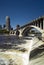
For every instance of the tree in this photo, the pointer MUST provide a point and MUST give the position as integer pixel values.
(18, 26)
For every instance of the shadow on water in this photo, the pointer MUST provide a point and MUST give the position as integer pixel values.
(36, 53)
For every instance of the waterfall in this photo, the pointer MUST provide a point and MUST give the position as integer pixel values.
(17, 56)
(23, 56)
(27, 54)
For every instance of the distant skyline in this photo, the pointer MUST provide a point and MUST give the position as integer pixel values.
(20, 11)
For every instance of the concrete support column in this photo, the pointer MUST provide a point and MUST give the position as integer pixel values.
(38, 23)
(33, 23)
(43, 24)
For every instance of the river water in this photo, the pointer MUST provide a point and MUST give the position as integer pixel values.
(21, 51)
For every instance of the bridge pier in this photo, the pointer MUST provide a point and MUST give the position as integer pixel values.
(35, 23)
(43, 24)
(38, 23)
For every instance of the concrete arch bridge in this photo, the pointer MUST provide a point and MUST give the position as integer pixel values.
(37, 24)
(26, 31)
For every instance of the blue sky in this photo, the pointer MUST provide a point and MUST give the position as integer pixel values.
(20, 11)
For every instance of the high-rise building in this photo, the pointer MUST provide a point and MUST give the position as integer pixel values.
(8, 23)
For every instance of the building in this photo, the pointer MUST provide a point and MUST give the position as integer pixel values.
(0, 27)
(8, 23)
(4, 26)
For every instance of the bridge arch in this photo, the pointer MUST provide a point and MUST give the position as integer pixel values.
(26, 30)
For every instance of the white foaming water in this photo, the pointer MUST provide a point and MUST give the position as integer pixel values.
(20, 58)
(24, 56)
(11, 56)
(3, 61)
